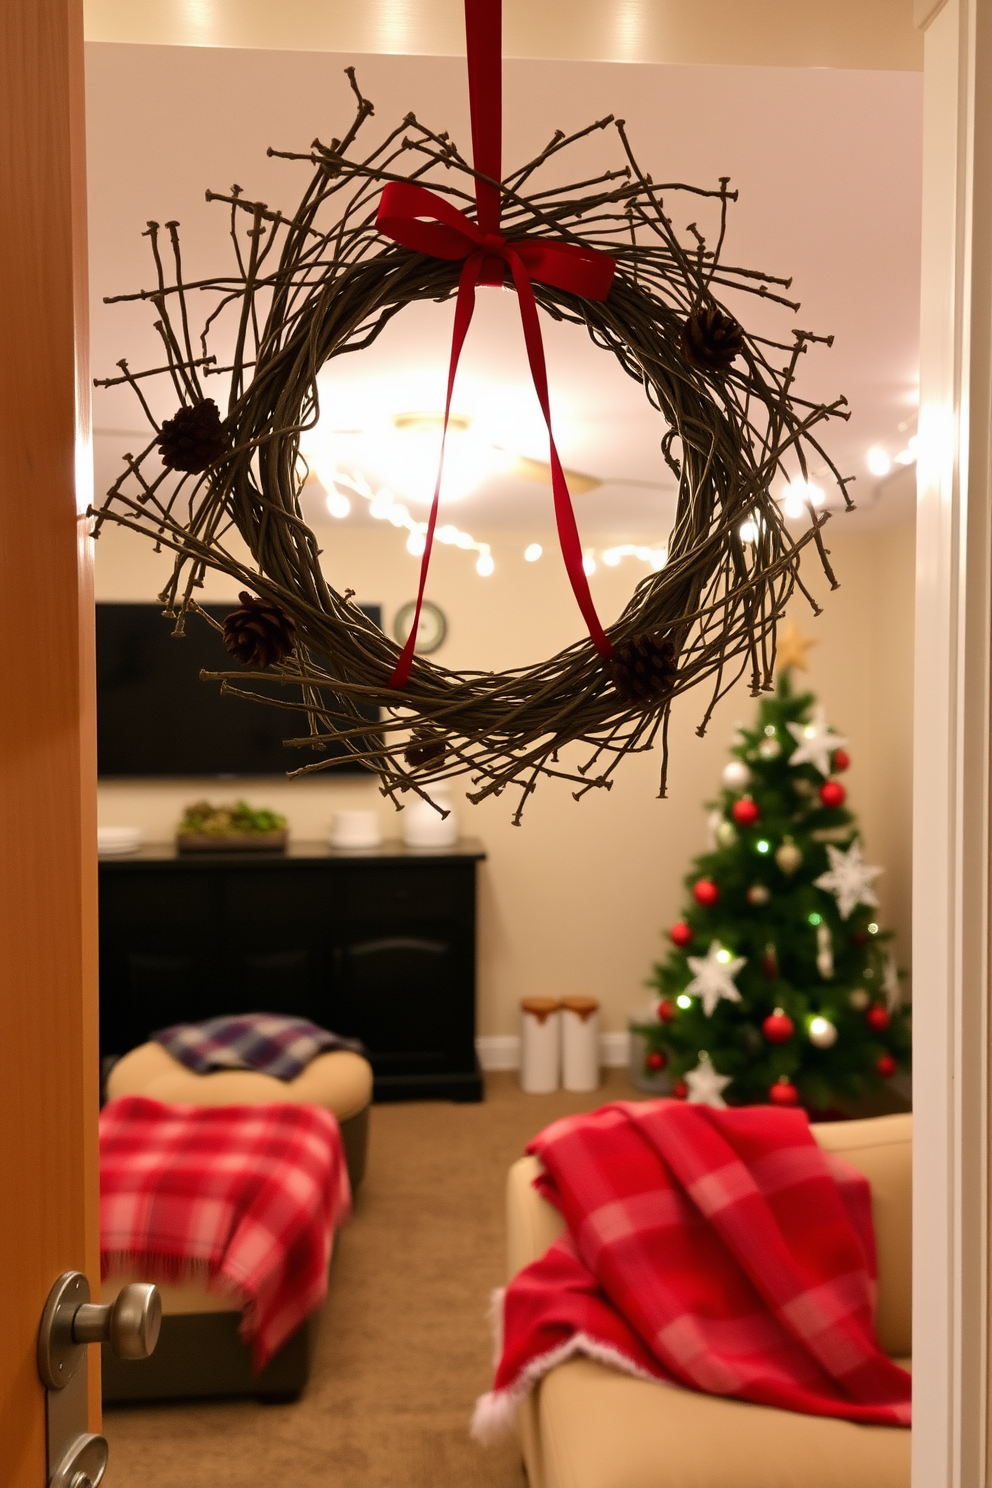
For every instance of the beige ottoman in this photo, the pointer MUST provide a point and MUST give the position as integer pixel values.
(339, 1080)
(199, 1352)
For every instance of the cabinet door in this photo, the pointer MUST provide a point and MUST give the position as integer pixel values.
(394, 992)
(160, 961)
(404, 966)
(276, 938)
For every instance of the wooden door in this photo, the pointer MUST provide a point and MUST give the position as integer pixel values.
(48, 998)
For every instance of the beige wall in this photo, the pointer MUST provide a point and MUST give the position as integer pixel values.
(576, 898)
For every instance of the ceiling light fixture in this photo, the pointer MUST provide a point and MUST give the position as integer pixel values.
(878, 461)
(409, 454)
(532, 552)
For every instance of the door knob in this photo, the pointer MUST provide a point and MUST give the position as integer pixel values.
(77, 1457)
(130, 1325)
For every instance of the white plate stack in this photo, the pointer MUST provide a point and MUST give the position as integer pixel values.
(119, 842)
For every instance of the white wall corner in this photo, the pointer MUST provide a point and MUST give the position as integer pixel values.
(501, 1051)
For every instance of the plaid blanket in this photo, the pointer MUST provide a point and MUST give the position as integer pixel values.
(716, 1249)
(268, 1042)
(245, 1198)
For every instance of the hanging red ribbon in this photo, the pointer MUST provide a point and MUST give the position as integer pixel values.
(428, 223)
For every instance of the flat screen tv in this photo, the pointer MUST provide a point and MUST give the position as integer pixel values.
(156, 718)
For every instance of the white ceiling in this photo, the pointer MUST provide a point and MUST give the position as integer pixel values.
(827, 164)
(773, 33)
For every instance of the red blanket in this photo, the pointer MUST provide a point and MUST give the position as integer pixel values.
(722, 1250)
(245, 1198)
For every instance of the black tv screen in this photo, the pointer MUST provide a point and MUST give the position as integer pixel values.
(155, 716)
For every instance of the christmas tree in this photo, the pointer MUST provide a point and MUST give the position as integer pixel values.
(780, 986)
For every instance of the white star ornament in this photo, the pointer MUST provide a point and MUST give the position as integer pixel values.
(713, 976)
(849, 879)
(815, 742)
(705, 1085)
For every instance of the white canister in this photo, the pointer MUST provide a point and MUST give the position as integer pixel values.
(540, 1044)
(580, 1043)
(423, 824)
(355, 829)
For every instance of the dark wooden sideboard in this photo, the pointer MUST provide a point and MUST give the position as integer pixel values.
(377, 944)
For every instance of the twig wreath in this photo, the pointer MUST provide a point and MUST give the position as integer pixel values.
(326, 281)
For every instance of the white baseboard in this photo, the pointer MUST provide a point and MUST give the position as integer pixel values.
(614, 1050)
(501, 1051)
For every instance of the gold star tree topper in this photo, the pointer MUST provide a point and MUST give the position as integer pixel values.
(792, 648)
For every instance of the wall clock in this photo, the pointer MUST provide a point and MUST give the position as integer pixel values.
(433, 626)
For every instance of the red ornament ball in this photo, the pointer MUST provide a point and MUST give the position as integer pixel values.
(680, 934)
(778, 1027)
(877, 1018)
(886, 1066)
(667, 1011)
(842, 760)
(656, 1061)
(705, 892)
(745, 812)
(680, 1090)
(783, 1092)
(832, 794)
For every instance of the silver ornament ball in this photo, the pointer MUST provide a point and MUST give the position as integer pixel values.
(758, 894)
(726, 834)
(859, 999)
(822, 1033)
(736, 775)
(769, 749)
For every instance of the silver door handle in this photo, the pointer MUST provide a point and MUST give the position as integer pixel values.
(130, 1325)
(77, 1457)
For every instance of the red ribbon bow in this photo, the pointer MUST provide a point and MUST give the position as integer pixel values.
(428, 223)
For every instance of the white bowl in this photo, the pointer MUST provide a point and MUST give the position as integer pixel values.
(118, 842)
(355, 829)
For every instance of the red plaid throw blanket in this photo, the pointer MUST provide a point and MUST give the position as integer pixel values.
(717, 1249)
(245, 1198)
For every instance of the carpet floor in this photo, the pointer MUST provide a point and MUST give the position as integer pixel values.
(404, 1345)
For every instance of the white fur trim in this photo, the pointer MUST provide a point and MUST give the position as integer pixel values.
(495, 1413)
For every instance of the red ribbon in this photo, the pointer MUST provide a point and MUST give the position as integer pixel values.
(428, 223)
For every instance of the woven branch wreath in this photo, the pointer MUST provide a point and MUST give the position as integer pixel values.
(325, 281)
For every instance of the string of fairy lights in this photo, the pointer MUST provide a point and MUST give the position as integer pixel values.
(344, 484)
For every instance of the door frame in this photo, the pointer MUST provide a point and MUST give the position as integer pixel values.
(952, 759)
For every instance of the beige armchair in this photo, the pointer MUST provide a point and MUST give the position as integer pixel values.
(588, 1426)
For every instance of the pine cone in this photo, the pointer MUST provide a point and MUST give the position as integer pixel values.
(258, 634)
(426, 747)
(194, 439)
(643, 668)
(710, 339)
